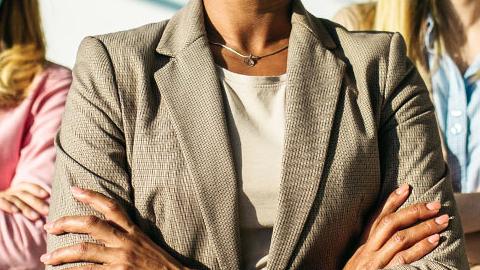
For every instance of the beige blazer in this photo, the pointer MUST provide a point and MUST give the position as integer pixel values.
(145, 124)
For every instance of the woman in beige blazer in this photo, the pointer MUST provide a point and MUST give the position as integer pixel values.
(148, 128)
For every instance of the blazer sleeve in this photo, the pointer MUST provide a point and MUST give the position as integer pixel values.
(411, 152)
(90, 145)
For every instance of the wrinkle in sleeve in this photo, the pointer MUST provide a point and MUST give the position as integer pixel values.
(411, 153)
(90, 145)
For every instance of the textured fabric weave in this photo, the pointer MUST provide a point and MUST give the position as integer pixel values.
(145, 124)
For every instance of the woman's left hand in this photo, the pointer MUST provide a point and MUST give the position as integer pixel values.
(124, 245)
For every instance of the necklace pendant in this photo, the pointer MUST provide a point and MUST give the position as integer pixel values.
(251, 60)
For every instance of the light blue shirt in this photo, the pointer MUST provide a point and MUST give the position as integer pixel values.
(457, 103)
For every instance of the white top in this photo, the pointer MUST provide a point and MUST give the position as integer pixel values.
(255, 110)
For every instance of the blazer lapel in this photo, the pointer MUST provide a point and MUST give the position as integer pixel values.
(315, 77)
(188, 84)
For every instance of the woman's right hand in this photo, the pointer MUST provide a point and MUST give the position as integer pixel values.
(399, 237)
(27, 198)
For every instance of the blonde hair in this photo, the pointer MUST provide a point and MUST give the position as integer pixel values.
(409, 18)
(22, 49)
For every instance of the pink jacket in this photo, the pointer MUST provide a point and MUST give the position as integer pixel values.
(27, 154)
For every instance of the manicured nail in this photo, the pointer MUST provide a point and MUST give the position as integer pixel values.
(434, 239)
(45, 257)
(48, 226)
(77, 191)
(403, 189)
(442, 220)
(434, 206)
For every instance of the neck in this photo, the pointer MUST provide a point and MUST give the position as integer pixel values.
(248, 25)
(467, 11)
(464, 18)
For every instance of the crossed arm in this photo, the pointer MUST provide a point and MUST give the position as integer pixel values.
(392, 237)
(24, 205)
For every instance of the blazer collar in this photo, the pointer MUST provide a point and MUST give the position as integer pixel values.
(188, 25)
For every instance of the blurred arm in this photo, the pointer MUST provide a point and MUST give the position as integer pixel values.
(22, 241)
(469, 208)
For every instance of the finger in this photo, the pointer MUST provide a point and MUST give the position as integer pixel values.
(393, 202)
(97, 228)
(24, 208)
(409, 216)
(37, 204)
(34, 189)
(108, 207)
(123, 267)
(416, 252)
(8, 206)
(89, 267)
(405, 239)
(97, 267)
(84, 252)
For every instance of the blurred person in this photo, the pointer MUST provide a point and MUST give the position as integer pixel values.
(249, 134)
(443, 40)
(32, 97)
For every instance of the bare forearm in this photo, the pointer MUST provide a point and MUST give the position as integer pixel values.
(469, 206)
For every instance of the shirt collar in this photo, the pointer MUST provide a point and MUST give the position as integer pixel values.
(473, 68)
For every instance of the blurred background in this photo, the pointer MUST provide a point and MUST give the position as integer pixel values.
(66, 22)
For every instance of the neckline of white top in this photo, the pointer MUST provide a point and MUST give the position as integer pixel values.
(233, 77)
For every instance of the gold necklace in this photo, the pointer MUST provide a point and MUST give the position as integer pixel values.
(250, 60)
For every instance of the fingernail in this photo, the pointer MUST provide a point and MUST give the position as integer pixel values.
(434, 239)
(43, 193)
(34, 215)
(442, 220)
(48, 226)
(434, 206)
(45, 257)
(403, 189)
(77, 191)
(15, 209)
